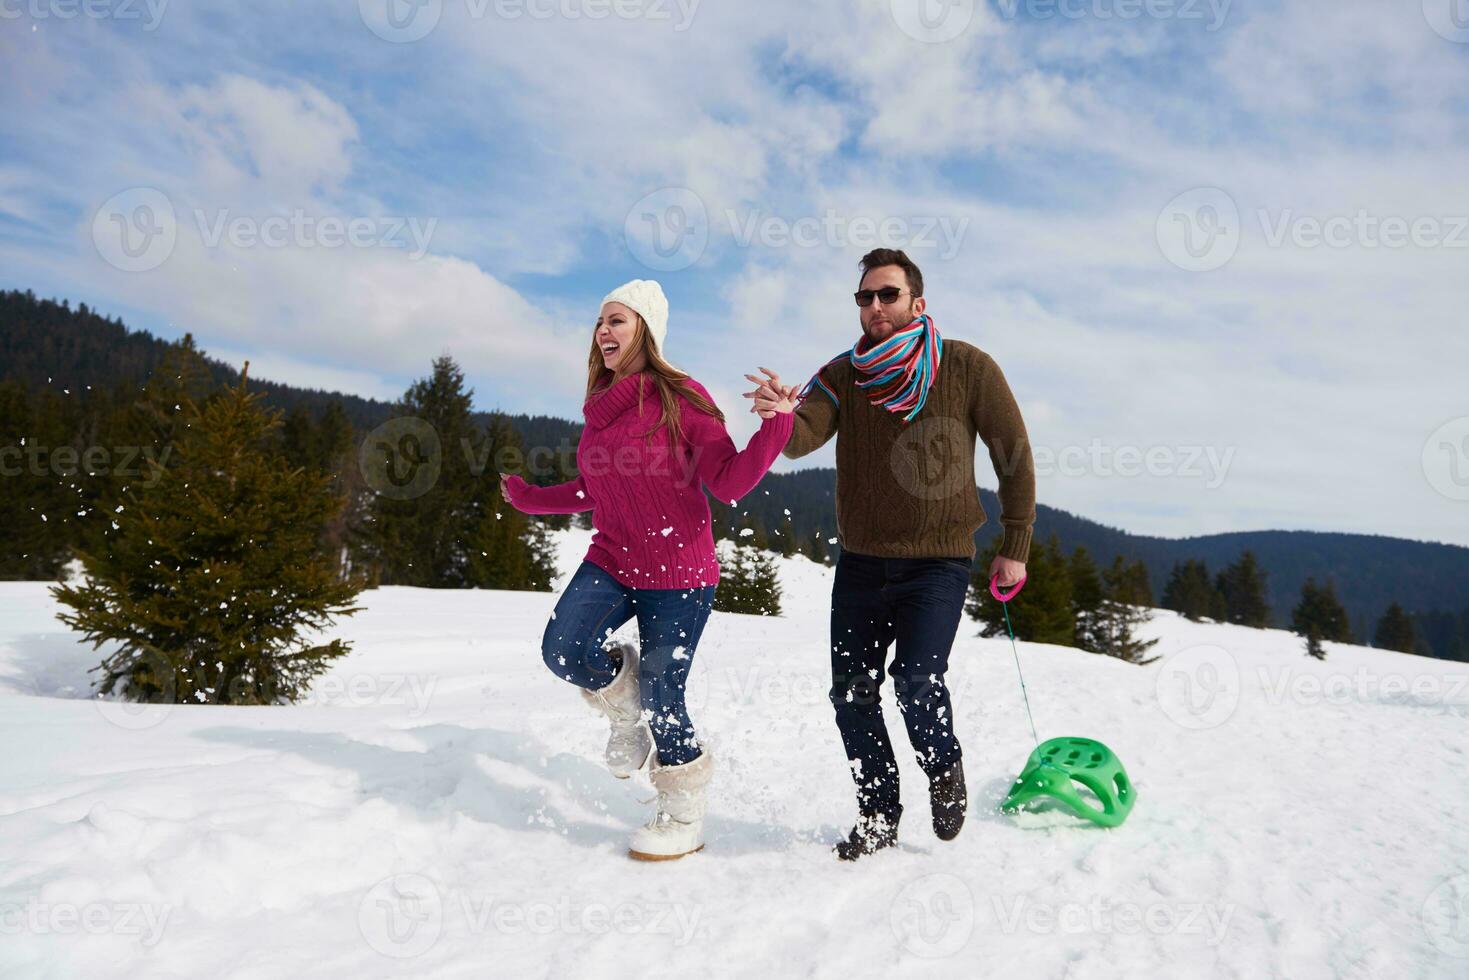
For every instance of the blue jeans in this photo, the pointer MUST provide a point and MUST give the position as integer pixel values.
(916, 602)
(670, 621)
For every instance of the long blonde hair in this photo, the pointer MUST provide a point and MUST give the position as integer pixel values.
(667, 379)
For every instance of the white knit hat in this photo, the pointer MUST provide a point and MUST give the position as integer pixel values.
(645, 298)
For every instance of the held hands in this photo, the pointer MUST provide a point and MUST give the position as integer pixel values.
(770, 395)
(1009, 570)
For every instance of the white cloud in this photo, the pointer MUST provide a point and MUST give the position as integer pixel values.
(247, 151)
(1324, 369)
(248, 137)
(299, 373)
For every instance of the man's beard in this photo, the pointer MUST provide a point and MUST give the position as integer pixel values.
(898, 321)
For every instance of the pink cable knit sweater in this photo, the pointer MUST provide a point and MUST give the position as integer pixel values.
(647, 503)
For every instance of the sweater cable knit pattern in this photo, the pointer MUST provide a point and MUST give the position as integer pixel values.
(651, 518)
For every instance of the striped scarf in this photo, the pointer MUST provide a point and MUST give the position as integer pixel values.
(896, 373)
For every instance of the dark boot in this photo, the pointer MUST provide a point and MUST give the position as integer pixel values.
(947, 794)
(873, 832)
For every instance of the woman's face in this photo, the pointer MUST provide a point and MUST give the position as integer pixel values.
(614, 333)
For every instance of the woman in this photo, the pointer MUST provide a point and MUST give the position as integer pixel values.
(653, 439)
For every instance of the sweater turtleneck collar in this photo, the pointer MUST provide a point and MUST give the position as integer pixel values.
(605, 408)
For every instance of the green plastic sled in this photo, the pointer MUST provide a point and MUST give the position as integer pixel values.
(1057, 765)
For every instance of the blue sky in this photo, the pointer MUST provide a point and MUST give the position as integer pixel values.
(1123, 201)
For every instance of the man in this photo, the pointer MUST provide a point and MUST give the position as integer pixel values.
(906, 405)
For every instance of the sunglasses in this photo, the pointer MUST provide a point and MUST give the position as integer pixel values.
(888, 294)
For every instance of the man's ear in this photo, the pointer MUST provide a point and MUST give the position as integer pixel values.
(919, 305)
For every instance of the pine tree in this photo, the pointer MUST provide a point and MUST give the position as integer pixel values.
(786, 537)
(35, 512)
(760, 540)
(748, 581)
(419, 530)
(296, 438)
(562, 470)
(210, 573)
(1129, 583)
(335, 452)
(1122, 612)
(1190, 592)
(182, 377)
(456, 532)
(721, 524)
(334, 437)
(1242, 585)
(508, 549)
(812, 549)
(1395, 631)
(325, 445)
(151, 420)
(750, 531)
(1319, 616)
(765, 583)
(351, 536)
(1086, 601)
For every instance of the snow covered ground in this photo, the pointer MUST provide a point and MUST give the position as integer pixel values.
(438, 809)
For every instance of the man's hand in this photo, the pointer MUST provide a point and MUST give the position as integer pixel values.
(1009, 570)
(770, 395)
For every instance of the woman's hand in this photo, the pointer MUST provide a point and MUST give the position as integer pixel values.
(770, 395)
(504, 492)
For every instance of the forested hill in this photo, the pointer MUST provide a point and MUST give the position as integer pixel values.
(48, 344)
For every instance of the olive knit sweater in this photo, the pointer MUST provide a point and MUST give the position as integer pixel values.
(907, 489)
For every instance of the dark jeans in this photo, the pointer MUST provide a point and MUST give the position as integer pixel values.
(670, 621)
(916, 602)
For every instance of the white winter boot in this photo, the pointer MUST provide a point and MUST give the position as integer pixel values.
(678, 826)
(630, 745)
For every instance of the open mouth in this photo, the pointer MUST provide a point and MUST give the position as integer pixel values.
(609, 349)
